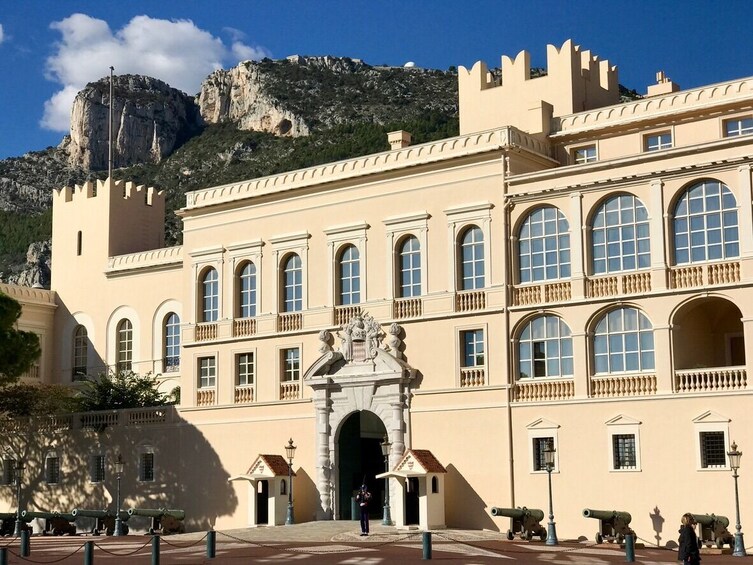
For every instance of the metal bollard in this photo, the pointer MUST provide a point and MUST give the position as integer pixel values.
(426, 541)
(630, 548)
(3, 556)
(155, 550)
(25, 547)
(211, 543)
(89, 553)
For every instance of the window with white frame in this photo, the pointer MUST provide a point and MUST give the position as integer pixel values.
(146, 465)
(472, 342)
(657, 141)
(124, 346)
(292, 284)
(540, 444)
(544, 246)
(349, 276)
(623, 435)
(738, 126)
(705, 224)
(52, 468)
(247, 290)
(585, 154)
(541, 434)
(409, 268)
(623, 342)
(97, 468)
(545, 349)
(210, 296)
(80, 352)
(623, 452)
(245, 368)
(472, 268)
(620, 237)
(172, 342)
(713, 449)
(9, 471)
(291, 364)
(207, 372)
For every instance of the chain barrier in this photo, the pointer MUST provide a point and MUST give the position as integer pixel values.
(282, 547)
(58, 560)
(119, 554)
(182, 546)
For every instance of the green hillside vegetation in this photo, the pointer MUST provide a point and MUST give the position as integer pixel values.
(18, 231)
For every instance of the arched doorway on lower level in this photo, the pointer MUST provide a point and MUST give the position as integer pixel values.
(359, 459)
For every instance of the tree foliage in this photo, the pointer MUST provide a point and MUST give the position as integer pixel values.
(18, 349)
(31, 400)
(124, 389)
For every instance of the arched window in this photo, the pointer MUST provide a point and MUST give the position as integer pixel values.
(410, 268)
(545, 349)
(80, 352)
(349, 275)
(172, 342)
(283, 486)
(705, 224)
(434, 485)
(247, 291)
(472, 259)
(210, 296)
(620, 238)
(124, 345)
(292, 284)
(623, 342)
(544, 246)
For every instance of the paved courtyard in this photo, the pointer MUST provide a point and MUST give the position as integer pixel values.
(337, 543)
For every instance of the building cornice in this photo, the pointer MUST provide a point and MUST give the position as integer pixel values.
(29, 295)
(158, 259)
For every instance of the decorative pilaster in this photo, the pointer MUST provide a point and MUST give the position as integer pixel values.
(657, 234)
(323, 463)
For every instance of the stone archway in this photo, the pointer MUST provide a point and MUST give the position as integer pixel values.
(365, 374)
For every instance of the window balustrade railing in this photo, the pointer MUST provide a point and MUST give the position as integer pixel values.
(171, 365)
(244, 327)
(628, 283)
(470, 300)
(693, 276)
(205, 397)
(244, 394)
(711, 379)
(290, 322)
(206, 331)
(344, 314)
(290, 390)
(611, 386)
(406, 308)
(536, 390)
(472, 377)
(541, 293)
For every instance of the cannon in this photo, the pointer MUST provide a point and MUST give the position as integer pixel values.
(525, 522)
(613, 525)
(714, 530)
(7, 523)
(55, 523)
(162, 519)
(105, 520)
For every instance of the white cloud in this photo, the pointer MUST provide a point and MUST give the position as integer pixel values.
(175, 51)
(2, 34)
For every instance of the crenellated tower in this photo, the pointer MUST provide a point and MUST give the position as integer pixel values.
(576, 80)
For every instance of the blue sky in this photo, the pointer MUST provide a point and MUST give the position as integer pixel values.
(49, 49)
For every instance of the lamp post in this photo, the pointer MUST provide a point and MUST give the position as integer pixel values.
(119, 464)
(386, 446)
(734, 462)
(551, 531)
(290, 453)
(19, 470)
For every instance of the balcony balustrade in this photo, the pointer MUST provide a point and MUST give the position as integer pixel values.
(344, 314)
(205, 397)
(694, 276)
(472, 377)
(290, 390)
(711, 379)
(470, 300)
(244, 327)
(290, 322)
(537, 390)
(611, 386)
(406, 308)
(206, 331)
(244, 394)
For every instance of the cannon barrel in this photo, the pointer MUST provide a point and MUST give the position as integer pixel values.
(607, 515)
(29, 515)
(709, 519)
(518, 513)
(157, 513)
(83, 513)
(7, 515)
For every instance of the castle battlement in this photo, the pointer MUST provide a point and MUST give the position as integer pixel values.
(126, 189)
(575, 80)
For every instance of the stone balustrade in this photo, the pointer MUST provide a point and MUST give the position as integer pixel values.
(244, 394)
(472, 377)
(711, 379)
(694, 276)
(406, 308)
(206, 331)
(290, 390)
(290, 322)
(470, 300)
(611, 386)
(538, 390)
(244, 327)
(205, 397)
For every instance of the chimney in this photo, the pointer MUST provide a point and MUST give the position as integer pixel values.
(398, 139)
(663, 85)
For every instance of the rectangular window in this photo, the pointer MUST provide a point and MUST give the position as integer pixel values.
(623, 451)
(657, 141)
(52, 470)
(713, 453)
(473, 348)
(291, 360)
(146, 467)
(245, 369)
(586, 154)
(539, 445)
(97, 470)
(738, 126)
(207, 372)
(9, 471)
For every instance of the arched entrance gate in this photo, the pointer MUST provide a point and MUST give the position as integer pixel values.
(359, 394)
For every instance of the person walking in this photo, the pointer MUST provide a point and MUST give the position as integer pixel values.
(363, 498)
(688, 552)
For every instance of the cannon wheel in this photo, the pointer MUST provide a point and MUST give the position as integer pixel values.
(528, 535)
(510, 535)
(542, 534)
(719, 543)
(620, 538)
(599, 538)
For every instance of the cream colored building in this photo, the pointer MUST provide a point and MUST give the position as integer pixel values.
(569, 269)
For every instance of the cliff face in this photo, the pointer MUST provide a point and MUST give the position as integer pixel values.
(150, 120)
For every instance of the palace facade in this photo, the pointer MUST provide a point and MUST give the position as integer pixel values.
(570, 271)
